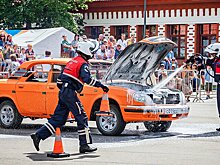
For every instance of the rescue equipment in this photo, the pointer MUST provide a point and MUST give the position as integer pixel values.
(104, 107)
(58, 151)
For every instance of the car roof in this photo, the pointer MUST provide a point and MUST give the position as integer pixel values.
(29, 64)
(60, 61)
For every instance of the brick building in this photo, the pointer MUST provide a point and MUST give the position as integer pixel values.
(192, 24)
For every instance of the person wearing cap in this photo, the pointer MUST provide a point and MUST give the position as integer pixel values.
(117, 51)
(70, 82)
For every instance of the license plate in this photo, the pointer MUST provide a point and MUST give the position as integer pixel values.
(174, 111)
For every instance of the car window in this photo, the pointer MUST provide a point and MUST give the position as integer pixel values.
(99, 69)
(56, 70)
(38, 73)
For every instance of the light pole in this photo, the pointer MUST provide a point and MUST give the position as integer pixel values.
(145, 18)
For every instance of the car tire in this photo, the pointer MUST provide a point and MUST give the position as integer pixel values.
(9, 115)
(111, 125)
(157, 126)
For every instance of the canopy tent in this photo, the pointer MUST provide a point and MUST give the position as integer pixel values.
(42, 39)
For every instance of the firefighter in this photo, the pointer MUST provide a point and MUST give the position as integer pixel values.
(214, 51)
(71, 82)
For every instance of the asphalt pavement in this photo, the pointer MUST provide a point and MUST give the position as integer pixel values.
(189, 141)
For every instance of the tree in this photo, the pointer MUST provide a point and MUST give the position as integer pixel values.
(26, 14)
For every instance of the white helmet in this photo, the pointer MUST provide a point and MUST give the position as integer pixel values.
(213, 48)
(88, 47)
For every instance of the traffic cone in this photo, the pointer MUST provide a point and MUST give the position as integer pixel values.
(104, 107)
(70, 118)
(58, 147)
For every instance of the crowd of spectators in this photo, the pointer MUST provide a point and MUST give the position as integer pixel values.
(109, 49)
(11, 55)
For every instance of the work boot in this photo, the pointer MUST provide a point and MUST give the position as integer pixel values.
(217, 129)
(36, 141)
(86, 148)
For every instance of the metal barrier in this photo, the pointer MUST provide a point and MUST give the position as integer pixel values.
(191, 82)
(4, 75)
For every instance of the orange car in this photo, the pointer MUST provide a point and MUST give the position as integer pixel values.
(32, 92)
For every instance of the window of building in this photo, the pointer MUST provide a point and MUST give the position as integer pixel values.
(151, 30)
(207, 34)
(93, 31)
(177, 33)
(119, 30)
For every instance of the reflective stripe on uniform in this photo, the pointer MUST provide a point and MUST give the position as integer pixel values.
(79, 109)
(50, 128)
(87, 135)
(73, 77)
(91, 82)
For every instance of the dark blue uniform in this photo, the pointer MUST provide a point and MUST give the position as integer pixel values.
(71, 80)
(216, 68)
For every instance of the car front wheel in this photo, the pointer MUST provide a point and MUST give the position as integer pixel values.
(9, 115)
(111, 125)
(157, 126)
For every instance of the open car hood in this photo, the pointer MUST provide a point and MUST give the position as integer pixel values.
(139, 60)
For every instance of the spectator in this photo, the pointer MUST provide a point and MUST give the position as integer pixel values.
(66, 45)
(186, 81)
(16, 50)
(101, 53)
(2, 62)
(110, 52)
(111, 41)
(122, 41)
(84, 37)
(13, 66)
(196, 59)
(117, 51)
(208, 81)
(195, 78)
(174, 62)
(131, 40)
(101, 39)
(162, 72)
(7, 52)
(2, 39)
(47, 67)
(9, 39)
(22, 55)
(74, 45)
(29, 53)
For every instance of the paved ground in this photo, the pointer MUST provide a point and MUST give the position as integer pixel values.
(188, 141)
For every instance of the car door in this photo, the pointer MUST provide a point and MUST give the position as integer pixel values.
(52, 90)
(31, 94)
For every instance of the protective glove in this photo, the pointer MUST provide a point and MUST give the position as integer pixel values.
(105, 88)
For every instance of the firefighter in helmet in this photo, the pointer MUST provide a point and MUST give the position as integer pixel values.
(214, 51)
(70, 82)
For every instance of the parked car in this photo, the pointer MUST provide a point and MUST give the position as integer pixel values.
(32, 92)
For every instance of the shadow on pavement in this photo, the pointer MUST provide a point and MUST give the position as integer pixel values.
(43, 156)
(71, 132)
(207, 134)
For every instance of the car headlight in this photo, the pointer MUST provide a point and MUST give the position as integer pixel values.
(143, 97)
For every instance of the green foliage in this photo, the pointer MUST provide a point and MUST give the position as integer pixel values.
(26, 14)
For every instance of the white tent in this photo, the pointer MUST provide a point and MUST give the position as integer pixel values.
(43, 39)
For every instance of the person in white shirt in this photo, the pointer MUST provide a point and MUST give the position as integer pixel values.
(122, 41)
(13, 66)
(101, 54)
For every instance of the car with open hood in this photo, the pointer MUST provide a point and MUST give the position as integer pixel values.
(133, 97)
